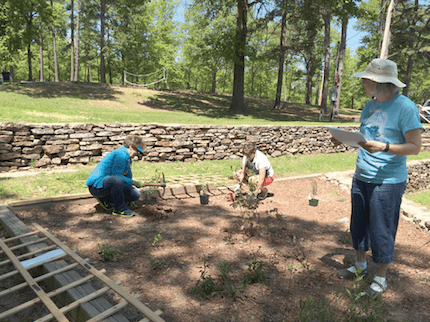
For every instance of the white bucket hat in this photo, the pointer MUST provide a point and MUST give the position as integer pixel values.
(381, 71)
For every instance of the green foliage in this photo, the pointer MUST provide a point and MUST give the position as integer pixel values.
(225, 268)
(33, 163)
(157, 239)
(205, 286)
(359, 308)
(108, 253)
(256, 273)
(314, 310)
(154, 263)
(246, 201)
(203, 188)
(229, 239)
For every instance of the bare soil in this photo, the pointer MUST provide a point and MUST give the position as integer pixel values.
(301, 247)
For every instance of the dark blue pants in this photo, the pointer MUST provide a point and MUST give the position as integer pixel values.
(116, 192)
(375, 218)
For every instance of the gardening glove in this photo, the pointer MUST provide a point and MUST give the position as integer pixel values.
(137, 184)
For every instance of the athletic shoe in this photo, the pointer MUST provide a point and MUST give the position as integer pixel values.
(125, 213)
(105, 205)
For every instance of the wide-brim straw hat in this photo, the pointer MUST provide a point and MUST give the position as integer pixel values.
(381, 71)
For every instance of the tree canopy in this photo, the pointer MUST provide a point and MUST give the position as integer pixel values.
(220, 47)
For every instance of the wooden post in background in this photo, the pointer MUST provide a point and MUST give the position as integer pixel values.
(387, 31)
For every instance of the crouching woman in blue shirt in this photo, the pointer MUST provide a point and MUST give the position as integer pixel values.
(111, 180)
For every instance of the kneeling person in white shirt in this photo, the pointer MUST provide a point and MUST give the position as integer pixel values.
(256, 162)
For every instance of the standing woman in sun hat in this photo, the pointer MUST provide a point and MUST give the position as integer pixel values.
(391, 124)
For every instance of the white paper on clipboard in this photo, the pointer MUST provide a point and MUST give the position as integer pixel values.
(346, 137)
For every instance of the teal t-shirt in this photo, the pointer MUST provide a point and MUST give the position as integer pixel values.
(386, 122)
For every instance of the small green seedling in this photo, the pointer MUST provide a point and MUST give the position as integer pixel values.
(205, 286)
(108, 253)
(154, 263)
(157, 239)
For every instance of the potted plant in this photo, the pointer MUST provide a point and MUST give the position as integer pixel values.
(204, 197)
(312, 200)
(150, 196)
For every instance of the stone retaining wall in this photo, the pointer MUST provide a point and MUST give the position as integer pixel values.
(418, 175)
(24, 145)
(36, 145)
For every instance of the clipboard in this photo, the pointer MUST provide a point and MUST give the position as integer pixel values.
(347, 137)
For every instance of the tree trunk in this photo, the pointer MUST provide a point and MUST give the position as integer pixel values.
(102, 42)
(281, 59)
(11, 74)
(387, 31)
(409, 69)
(251, 89)
(109, 71)
(340, 65)
(123, 73)
(189, 78)
(54, 44)
(72, 44)
(30, 72)
(326, 17)
(214, 81)
(286, 83)
(309, 68)
(317, 90)
(41, 77)
(238, 105)
(78, 11)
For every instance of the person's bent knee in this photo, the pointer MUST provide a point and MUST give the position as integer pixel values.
(135, 194)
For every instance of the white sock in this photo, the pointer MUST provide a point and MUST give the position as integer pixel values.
(380, 280)
(362, 265)
(237, 187)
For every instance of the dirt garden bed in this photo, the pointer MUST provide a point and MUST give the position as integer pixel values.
(299, 247)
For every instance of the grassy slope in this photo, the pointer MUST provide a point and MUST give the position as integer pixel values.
(57, 103)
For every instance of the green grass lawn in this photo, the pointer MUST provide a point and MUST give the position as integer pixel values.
(421, 197)
(49, 184)
(70, 102)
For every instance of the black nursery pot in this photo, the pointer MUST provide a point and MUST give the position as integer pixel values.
(204, 199)
(313, 202)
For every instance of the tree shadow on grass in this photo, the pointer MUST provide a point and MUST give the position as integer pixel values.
(217, 106)
(85, 91)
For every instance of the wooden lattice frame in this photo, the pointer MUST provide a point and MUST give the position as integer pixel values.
(45, 298)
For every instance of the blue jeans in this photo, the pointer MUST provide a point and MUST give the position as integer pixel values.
(115, 192)
(375, 218)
